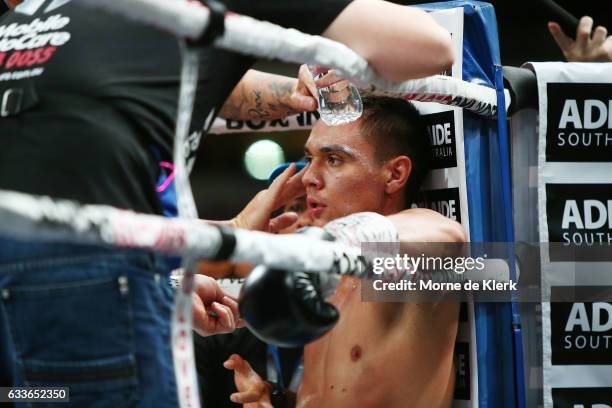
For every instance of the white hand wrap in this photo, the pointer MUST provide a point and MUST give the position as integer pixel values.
(372, 228)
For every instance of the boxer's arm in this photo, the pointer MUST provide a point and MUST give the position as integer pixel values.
(263, 96)
(415, 227)
(423, 225)
(412, 229)
(408, 227)
(400, 42)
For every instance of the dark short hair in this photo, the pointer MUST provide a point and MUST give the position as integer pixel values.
(395, 128)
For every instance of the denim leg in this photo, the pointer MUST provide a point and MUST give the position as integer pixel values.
(8, 373)
(153, 300)
(93, 319)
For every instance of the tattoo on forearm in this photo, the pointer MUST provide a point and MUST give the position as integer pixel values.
(271, 100)
(234, 107)
(258, 112)
(279, 92)
(268, 99)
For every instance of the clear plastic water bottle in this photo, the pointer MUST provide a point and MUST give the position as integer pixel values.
(339, 103)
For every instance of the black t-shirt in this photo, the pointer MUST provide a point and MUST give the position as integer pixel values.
(101, 96)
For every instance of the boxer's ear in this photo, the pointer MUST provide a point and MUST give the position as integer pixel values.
(397, 172)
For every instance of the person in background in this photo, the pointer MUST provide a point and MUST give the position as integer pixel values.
(588, 46)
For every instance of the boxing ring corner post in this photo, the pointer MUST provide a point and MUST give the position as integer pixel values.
(504, 153)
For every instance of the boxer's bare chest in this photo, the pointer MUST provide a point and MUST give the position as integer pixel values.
(339, 366)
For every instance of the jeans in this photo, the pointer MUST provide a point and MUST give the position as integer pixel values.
(96, 320)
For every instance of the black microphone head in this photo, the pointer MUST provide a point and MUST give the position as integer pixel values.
(555, 12)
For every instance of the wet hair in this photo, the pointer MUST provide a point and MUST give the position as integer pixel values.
(395, 128)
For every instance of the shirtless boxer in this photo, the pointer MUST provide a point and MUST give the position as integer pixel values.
(378, 354)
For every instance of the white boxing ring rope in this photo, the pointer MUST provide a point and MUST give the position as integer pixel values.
(246, 35)
(42, 218)
(29, 217)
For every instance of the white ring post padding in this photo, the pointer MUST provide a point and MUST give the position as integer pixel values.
(263, 39)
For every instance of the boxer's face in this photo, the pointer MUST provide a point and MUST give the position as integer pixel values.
(343, 176)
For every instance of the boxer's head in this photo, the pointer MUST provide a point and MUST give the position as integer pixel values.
(371, 164)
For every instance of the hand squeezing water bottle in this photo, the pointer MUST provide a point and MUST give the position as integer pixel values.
(339, 100)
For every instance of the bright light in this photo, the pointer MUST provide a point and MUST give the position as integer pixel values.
(262, 157)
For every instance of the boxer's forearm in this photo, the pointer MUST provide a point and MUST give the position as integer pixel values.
(260, 96)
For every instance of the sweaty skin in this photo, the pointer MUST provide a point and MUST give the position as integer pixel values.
(380, 355)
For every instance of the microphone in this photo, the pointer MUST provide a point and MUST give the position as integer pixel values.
(567, 21)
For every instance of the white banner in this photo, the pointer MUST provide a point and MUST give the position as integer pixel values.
(445, 191)
(574, 207)
(301, 121)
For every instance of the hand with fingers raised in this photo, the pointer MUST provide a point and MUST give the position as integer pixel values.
(253, 391)
(304, 96)
(258, 212)
(585, 47)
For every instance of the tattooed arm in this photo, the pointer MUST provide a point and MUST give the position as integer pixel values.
(264, 96)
